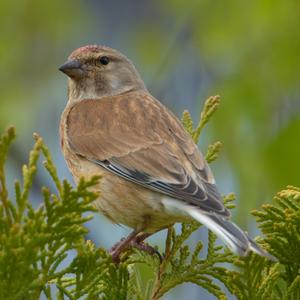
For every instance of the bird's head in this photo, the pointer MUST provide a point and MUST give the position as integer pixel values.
(97, 71)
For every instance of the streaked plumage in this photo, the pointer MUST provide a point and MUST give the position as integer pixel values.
(153, 173)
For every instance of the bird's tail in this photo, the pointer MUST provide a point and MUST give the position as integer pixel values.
(234, 237)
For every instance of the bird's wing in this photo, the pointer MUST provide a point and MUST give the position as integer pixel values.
(136, 137)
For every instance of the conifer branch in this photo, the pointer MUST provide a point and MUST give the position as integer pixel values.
(43, 251)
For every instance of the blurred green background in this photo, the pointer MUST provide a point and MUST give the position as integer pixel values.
(248, 52)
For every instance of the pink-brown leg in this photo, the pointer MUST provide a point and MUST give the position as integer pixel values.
(134, 239)
(122, 245)
(145, 247)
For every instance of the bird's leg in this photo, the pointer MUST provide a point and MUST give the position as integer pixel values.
(142, 236)
(123, 244)
(147, 248)
(137, 242)
(134, 239)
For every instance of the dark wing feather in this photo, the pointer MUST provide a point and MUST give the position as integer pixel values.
(136, 137)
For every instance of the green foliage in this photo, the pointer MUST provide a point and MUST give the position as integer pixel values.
(181, 264)
(210, 107)
(34, 243)
(43, 250)
(261, 279)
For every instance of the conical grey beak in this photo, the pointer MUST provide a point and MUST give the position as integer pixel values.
(72, 68)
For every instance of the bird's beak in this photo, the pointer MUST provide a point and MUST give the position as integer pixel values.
(72, 68)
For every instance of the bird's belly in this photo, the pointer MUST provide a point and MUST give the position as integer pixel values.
(124, 202)
(132, 205)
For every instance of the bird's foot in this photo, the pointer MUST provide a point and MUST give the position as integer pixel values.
(146, 248)
(133, 240)
(122, 245)
(116, 245)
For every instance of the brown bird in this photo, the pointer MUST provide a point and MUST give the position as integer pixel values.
(153, 173)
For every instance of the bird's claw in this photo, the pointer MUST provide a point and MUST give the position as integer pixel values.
(146, 248)
(137, 242)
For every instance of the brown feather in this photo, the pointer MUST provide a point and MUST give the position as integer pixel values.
(153, 175)
(133, 131)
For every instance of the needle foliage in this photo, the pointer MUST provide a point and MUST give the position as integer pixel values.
(43, 252)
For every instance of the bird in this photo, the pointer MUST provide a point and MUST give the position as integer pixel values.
(152, 173)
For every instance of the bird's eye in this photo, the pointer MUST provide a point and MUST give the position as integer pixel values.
(104, 60)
